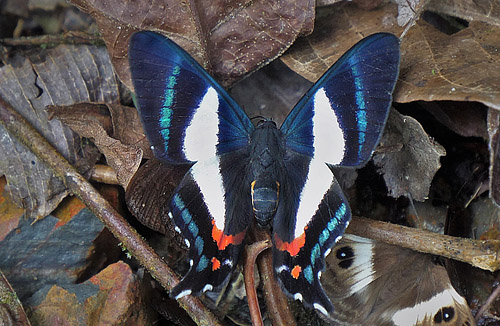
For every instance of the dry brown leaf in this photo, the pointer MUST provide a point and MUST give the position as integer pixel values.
(58, 76)
(434, 65)
(337, 28)
(487, 11)
(230, 39)
(121, 141)
(410, 170)
(458, 67)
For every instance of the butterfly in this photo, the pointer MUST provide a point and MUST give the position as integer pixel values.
(373, 283)
(241, 171)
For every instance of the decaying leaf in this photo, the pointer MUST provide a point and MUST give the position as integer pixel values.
(337, 28)
(487, 11)
(409, 171)
(229, 39)
(459, 67)
(494, 146)
(58, 76)
(465, 118)
(407, 10)
(149, 191)
(434, 65)
(112, 297)
(119, 137)
(10, 214)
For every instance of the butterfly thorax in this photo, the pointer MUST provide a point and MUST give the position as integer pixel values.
(265, 165)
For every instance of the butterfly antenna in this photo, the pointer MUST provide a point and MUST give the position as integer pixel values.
(258, 117)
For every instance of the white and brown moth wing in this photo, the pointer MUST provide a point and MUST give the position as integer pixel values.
(373, 283)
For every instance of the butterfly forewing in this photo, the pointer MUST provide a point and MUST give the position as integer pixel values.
(341, 118)
(187, 116)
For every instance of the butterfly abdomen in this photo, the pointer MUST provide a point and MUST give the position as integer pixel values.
(266, 170)
(265, 196)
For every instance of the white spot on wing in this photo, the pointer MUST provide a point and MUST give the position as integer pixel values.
(320, 308)
(191, 262)
(317, 184)
(183, 294)
(282, 268)
(207, 287)
(186, 241)
(228, 262)
(170, 215)
(176, 228)
(329, 144)
(201, 134)
(426, 309)
(327, 252)
(209, 179)
(297, 296)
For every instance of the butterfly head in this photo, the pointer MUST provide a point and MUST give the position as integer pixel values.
(266, 123)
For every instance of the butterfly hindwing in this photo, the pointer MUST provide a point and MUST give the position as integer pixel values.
(186, 114)
(213, 220)
(341, 118)
(301, 242)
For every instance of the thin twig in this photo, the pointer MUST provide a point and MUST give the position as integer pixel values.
(79, 186)
(252, 252)
(493, 296)
(277, 303)
(71, 37)
(483, 254)
(104, 174)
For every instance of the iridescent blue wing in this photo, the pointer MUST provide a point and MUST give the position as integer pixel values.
(341, 118)
(188, 117)
(338, 121)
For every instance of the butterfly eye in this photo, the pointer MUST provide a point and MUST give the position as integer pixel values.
(445, 314)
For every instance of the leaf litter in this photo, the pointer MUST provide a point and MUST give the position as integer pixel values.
(455, 68)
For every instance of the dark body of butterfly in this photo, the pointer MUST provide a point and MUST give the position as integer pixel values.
(279, 176)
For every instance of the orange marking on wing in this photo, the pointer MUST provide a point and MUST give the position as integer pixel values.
(293, 247)
(223, 240)
(215, 264)
(296, 271)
